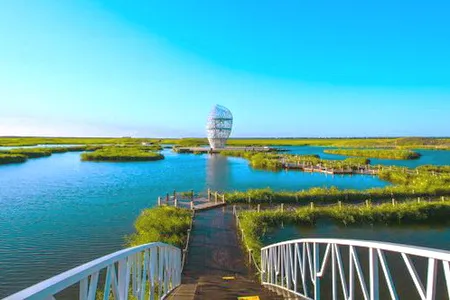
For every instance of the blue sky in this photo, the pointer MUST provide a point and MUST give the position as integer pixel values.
(284, 68)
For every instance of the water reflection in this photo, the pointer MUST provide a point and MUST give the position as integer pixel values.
(218, 172)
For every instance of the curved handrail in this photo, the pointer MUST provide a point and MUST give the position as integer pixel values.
(144, 264)
(298, 266)
(387, 246)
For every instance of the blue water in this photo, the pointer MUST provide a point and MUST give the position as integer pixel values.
(58, 212)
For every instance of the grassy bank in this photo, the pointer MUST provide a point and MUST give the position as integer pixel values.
(424, 181)
(12, 159)
(161, 224)
(47, 151)
(17, 155)
(257, 224)
(376, 153)
(122, 154)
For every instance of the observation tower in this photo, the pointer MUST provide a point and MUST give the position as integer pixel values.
(218, 128)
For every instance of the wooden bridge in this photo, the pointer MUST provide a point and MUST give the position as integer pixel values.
(214, 266)
(362, 170)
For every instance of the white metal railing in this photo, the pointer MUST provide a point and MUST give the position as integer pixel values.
(147, 271)
(298, 266)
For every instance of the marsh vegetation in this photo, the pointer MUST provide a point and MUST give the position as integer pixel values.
(407, 143)
(12, 158)
(164, 224)
(257, 224)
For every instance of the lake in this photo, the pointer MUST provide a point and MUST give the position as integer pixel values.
(58, 212)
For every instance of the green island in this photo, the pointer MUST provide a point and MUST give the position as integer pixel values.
(256, 224)
(123, 154)
(376, 153)
(12, 158)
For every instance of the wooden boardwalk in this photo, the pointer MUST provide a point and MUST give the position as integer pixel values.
(331, 171)
(215, 253)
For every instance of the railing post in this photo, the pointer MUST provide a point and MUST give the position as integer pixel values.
(351, 275)
(223, 198)
(431, 279)
(316, 270)
(159, 201)
(176, 202)
(259, 207)
(374, 278)
(123, 278)
(215, 197)
(209, 194)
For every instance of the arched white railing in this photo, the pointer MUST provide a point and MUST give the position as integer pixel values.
(299, 266)
(146, 271)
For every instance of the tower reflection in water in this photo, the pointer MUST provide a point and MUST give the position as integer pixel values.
(218, 172)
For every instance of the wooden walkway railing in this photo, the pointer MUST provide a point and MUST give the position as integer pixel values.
(192, 201)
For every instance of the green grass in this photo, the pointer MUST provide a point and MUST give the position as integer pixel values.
(32, 141)
(408, 143)
(12, 158)
(121, 154)
(376, 153)
(161, 224)
(257, 224)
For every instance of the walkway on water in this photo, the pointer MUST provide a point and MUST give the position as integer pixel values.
(214, 253)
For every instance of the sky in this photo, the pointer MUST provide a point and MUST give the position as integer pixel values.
(292, 68)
